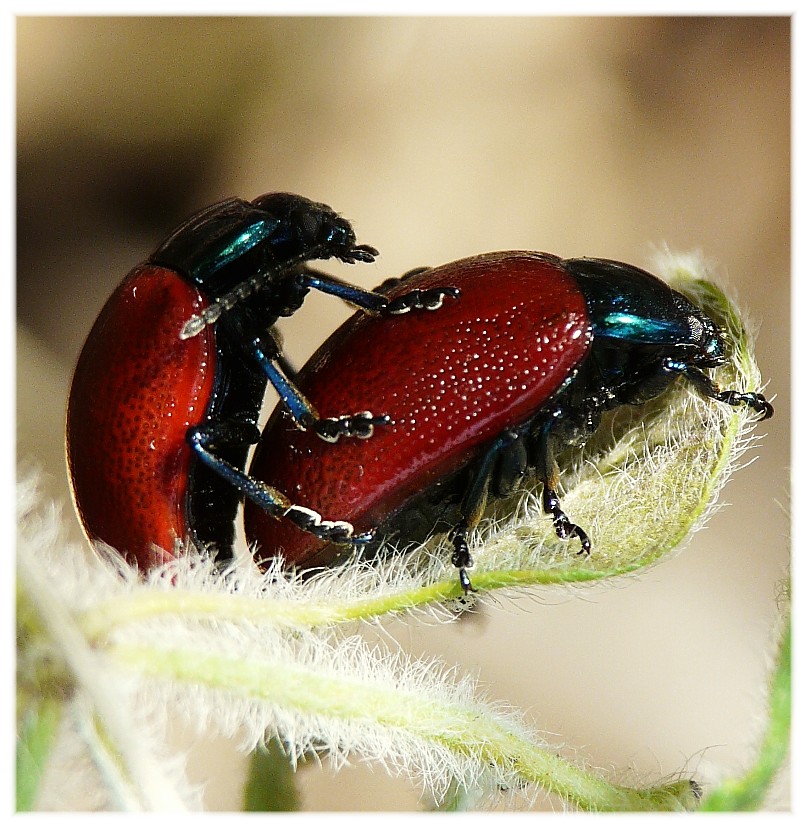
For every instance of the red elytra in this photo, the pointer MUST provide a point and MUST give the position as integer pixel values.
(450, 382)
(136, 389)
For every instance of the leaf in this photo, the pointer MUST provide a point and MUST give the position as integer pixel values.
(270, 786)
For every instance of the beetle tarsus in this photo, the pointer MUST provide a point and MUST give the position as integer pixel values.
(563, 527)
(756, 401)
(461, 557)
(334, 531)
(566, 530)
(430, 299)
(360, 426)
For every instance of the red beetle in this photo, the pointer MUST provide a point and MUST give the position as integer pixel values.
(168, 387)
(529, 356)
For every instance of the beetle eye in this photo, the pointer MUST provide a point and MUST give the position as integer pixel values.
(714, 349)
(310, 225)
(340, 235)
(697, 328)
(705, 335)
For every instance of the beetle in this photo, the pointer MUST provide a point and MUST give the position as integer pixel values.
(167, 390)
(527, 360)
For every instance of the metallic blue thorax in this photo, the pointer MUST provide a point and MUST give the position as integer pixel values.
(216, 237)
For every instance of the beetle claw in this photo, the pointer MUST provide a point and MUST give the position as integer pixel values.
(563, 527)
(464, 581)
(586, 543)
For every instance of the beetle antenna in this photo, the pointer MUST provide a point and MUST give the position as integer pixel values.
(211, 314)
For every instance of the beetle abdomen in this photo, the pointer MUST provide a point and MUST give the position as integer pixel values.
(136, 389)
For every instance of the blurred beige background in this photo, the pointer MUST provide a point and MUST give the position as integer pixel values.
(442, 138)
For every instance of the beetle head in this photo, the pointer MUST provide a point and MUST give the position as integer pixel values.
(314, 230)
(705, 337)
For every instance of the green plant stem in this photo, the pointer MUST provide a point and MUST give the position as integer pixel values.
(34, 742)
(462, 730)
(102, 619)
(749, 791)
(139, 777)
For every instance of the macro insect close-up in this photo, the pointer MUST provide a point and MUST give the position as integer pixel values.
(532, 353)
(386, 489)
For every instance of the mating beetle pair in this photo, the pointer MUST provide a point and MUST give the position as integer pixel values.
(527, 353)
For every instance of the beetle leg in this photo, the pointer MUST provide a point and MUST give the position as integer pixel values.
(473, 505)
(360, 425)
(705, 386)
(461, 557)
(266, 350)
(288, 370)
(510, 468)
(351, 293)
(207, 438)
(564, 528)
(549, 475)
(372, 300)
